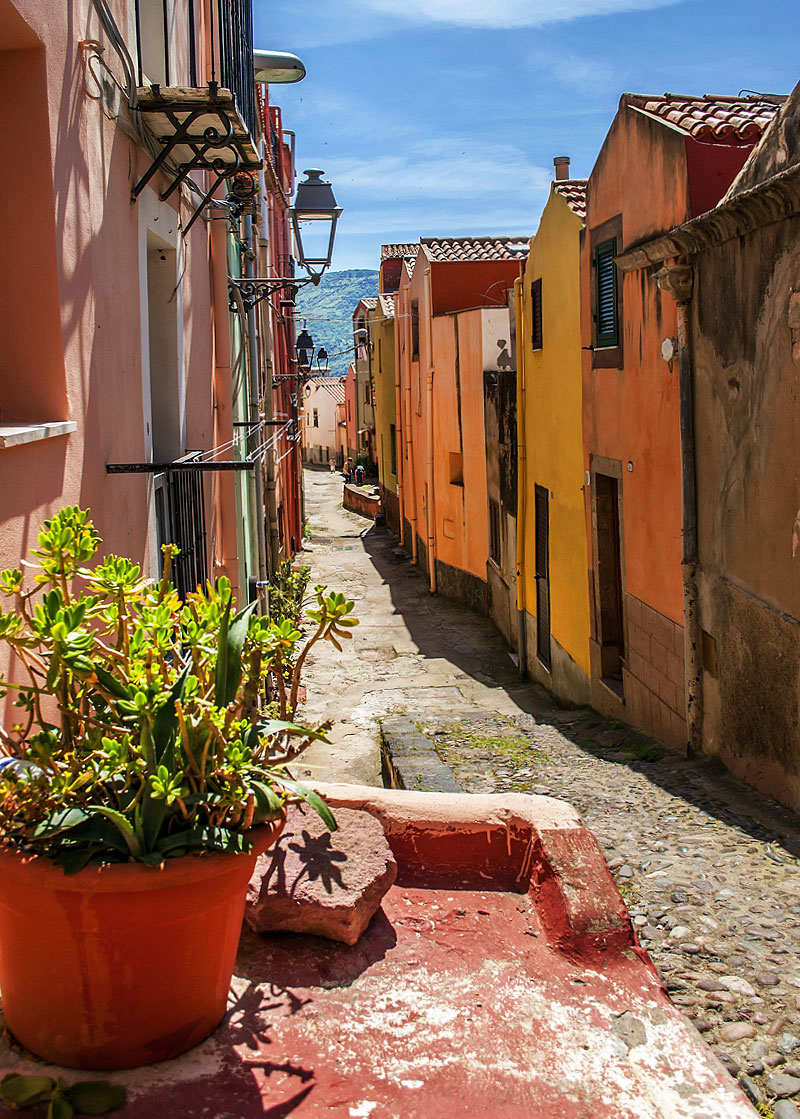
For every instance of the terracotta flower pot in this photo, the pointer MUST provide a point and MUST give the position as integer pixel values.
(120, 965)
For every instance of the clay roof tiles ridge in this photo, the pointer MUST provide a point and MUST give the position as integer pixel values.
(395, 252)
(573, 191)
(710, 118)
(387, 305)
(450, 249)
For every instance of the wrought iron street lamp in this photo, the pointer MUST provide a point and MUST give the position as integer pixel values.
(304, 348)
(314, 217)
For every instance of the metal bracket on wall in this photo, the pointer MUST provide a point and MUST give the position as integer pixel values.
(253, 289)
(198, 130)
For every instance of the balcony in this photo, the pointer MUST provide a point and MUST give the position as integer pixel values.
(202, 114)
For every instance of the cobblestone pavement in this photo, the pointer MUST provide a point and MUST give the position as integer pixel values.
(710, 870)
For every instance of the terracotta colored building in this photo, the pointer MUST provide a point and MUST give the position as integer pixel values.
(127, 383)
(385, 388)
(551, 555)
(664, 161)
(453, 324)
(735, 273)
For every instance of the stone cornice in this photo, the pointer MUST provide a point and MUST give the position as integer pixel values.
(769, 202)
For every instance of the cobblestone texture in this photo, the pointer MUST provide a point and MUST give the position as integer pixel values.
(708, 867)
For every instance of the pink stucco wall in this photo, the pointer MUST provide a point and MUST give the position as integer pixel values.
(73, 262)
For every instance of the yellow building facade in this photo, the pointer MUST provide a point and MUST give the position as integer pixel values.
(553, 584)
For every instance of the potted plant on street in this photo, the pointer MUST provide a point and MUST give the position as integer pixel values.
(143, 777)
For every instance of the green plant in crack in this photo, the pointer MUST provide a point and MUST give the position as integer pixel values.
(458, 743)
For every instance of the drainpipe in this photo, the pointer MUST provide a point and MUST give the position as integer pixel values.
(251, 257)
(522, 637)
(273, 547)
(676, 280)
(398, 409)
(412, 474)
(226, 558)
(431, 503)
(265, 335)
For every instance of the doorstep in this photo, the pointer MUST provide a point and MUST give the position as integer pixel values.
(501, 974)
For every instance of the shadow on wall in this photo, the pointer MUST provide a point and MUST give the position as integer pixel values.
(444, 629)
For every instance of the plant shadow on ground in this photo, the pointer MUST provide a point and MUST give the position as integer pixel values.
(444, 629)
(248, 1084)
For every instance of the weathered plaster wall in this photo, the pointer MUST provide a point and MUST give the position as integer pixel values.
(553, 436)
(630, 411)
(458, 429)
(747, 430)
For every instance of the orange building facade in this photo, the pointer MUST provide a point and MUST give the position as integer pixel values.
(451, 310)
(688, 153)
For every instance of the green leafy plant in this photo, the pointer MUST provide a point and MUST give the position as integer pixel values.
(144, 730)
(287, 590)
(87, 1097)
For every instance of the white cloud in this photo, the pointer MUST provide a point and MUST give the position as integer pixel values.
(575, 71)
(506, 13)
(447, 168)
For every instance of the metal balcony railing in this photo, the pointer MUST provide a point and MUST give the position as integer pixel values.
(166, 47)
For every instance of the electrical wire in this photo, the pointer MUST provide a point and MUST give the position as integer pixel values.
(119, 45)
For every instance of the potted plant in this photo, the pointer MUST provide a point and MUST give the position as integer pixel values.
(142, 779)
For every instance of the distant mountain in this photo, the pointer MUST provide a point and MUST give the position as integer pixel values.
(328, 311)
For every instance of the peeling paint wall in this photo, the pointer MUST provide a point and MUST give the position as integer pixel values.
(747, 431)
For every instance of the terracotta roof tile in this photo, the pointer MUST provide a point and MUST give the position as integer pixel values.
(387, 305)
(445, 249)
(409, 262)
(393, 252)
(334, 386)
(712, 119)
(368, 302)
(573, 191)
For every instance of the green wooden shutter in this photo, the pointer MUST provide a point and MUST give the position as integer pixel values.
(606, 317)
(536, 315)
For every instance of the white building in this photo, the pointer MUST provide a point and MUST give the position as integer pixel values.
(323, 412)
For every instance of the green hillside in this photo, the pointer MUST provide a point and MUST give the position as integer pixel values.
(328, 310)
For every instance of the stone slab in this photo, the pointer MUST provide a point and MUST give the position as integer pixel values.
(325, 883)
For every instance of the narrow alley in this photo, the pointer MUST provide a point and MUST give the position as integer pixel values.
(707, 866)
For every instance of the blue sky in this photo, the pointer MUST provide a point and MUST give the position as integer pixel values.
(443, 116)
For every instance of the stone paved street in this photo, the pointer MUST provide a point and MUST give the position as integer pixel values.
(709, 869)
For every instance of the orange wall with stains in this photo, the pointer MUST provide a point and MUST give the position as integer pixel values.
(641, 180)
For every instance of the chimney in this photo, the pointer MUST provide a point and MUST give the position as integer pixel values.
(561, 163)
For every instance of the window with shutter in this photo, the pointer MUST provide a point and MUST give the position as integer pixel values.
(536, 315)
(606, 313)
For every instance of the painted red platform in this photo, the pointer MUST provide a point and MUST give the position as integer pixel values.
(501, 976)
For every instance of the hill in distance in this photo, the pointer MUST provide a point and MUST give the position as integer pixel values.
(328, 311)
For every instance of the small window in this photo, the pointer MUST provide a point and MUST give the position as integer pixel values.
(393, 447)
(536, 314)
(367, 393)
(415, 330)
(316, 418)
(495, 551)
(606, 318)
(456, 468)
